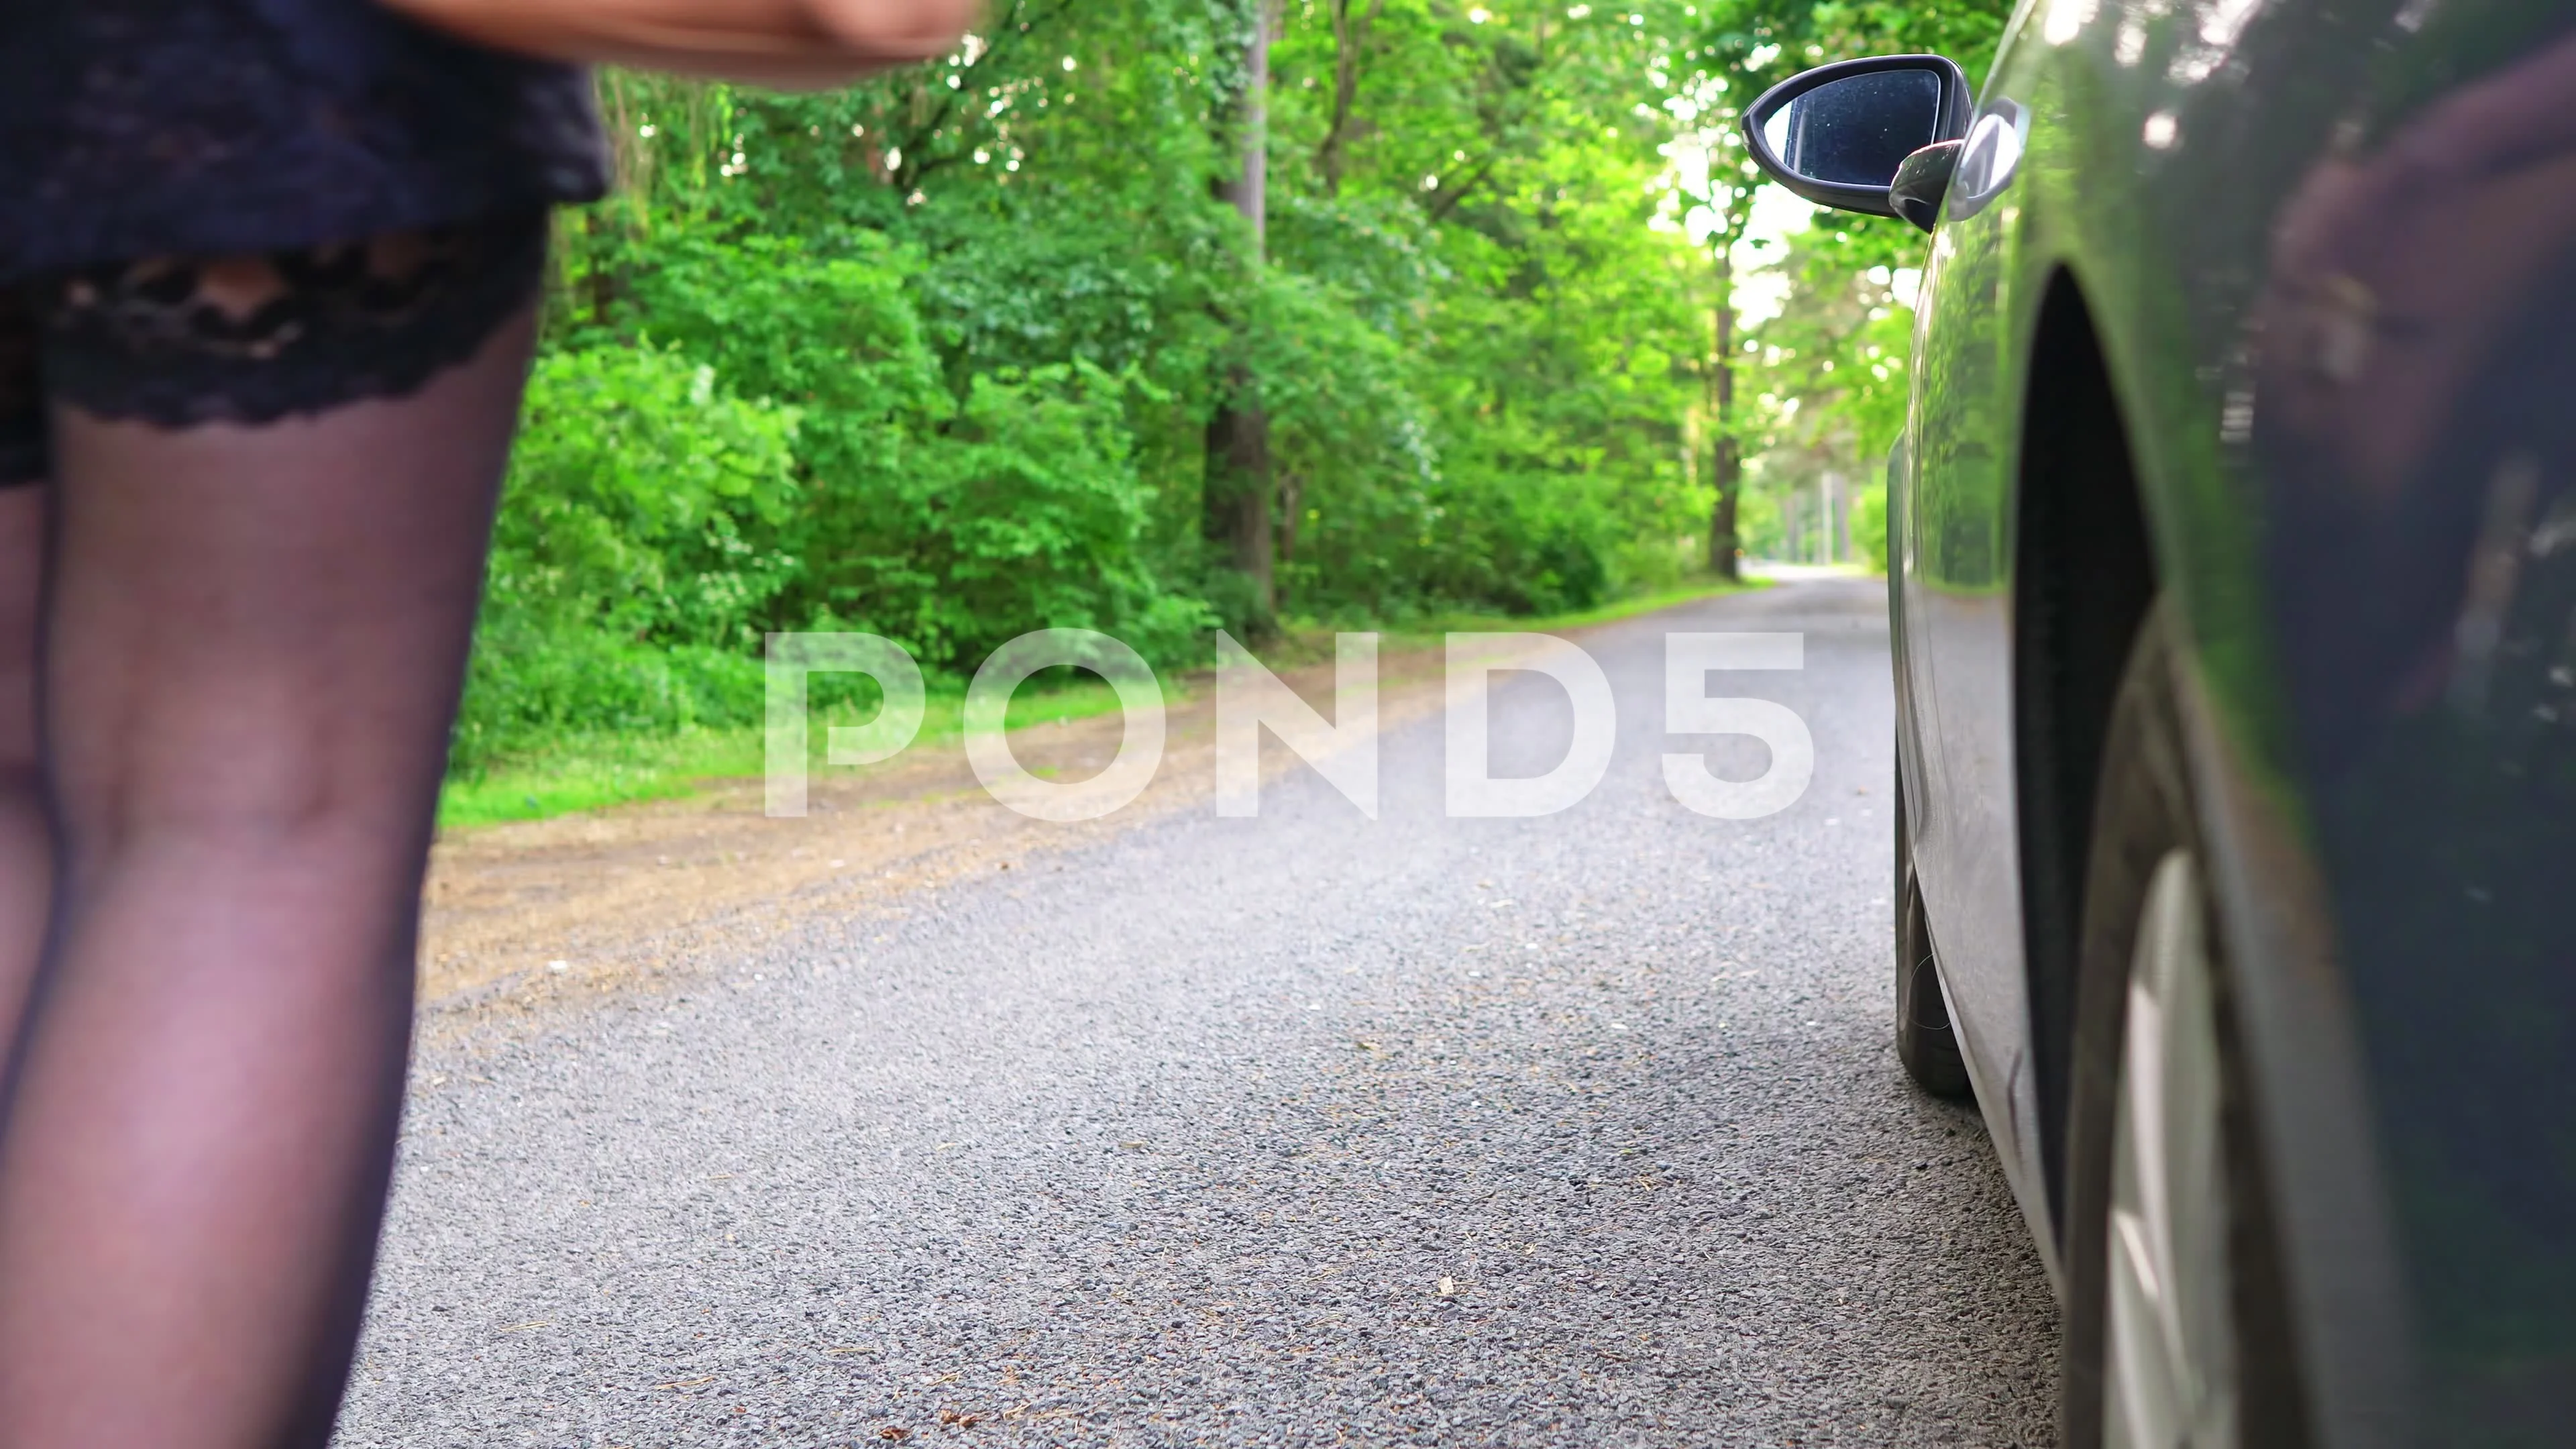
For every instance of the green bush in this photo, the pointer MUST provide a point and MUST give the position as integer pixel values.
(935, 356)
(949, 523)
(635, 556)
(1025, 512)
(1869, 525)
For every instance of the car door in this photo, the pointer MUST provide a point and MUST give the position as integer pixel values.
(1957, 587)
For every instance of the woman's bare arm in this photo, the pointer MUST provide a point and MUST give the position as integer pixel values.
(777, 42)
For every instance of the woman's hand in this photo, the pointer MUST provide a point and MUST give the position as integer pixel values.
(910, 30)
(772, 42)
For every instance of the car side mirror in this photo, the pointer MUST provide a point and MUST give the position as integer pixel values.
(1839, 135)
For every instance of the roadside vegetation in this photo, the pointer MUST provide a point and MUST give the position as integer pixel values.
(586, 769)
(1158, 317)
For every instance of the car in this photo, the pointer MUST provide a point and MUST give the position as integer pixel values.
(2232, 585)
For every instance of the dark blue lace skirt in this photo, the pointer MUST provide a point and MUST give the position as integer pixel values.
(139, 128)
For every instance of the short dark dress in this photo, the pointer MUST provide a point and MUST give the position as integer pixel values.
(394, 182)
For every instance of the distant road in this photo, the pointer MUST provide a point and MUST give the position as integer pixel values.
(1309, 1130)
(1785, 572)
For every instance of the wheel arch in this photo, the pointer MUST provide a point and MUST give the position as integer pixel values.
(2084, 576)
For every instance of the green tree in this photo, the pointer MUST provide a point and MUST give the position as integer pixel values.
(1143, 315)
(1744, 48)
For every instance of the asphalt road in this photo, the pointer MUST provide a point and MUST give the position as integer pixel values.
(1310, 1130)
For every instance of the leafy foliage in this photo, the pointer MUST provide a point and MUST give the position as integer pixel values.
(636, 542)
(935, 355)
(1827, 374)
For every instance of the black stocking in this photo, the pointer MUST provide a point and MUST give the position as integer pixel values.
(254, 638)
(26, 844)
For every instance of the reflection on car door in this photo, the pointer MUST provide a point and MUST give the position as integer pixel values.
(1957, 595)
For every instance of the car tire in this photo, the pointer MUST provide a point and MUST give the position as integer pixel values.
(1925, 1041)
(2175, 1327)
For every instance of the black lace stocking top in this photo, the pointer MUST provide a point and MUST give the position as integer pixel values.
(143, 128)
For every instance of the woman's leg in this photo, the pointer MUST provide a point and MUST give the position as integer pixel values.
(254, 649)
(26, 846)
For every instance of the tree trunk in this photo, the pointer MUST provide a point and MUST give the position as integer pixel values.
(1292, 507)
(1349, 37)
(1726, 465)
(1236, 518)
(1249, 115)
(1235, 514)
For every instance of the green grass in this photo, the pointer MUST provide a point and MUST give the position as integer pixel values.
(1426, 634)
(593, 771)
(589, 771)
(1311, 643)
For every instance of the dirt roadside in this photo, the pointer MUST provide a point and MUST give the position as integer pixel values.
(521, 917)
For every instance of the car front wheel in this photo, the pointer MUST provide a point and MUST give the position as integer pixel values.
(2175, 1329)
